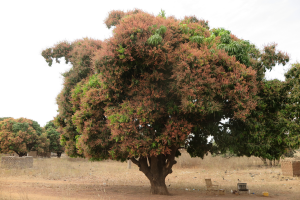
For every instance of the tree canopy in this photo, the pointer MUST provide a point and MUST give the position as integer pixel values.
(3, 118)
(270, 130)
(160, 84)
(54, 138)
(21, 136)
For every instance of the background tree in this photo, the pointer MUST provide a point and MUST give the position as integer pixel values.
(158, 85)
(3, 118)
(273, 125)
(21, 136)
(54, 138)
(79, 53)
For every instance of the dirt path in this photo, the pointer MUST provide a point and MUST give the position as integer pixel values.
(57, 189)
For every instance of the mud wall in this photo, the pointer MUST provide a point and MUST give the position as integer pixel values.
(10, 162)
(290, 168)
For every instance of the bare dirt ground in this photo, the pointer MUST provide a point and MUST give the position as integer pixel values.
(70, 179)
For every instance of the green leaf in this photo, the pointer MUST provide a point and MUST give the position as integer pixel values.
(162, 13)
(197, 39)
(155, 40)
(161, 31)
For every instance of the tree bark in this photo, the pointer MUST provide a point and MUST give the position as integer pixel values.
(129, 164)
(158, 186)
(22, 154)
(271, 163)
(58, 154)
(156, 169)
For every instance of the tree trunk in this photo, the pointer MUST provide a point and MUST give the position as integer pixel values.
(271, 163)
(129, 164)
(265, 161)
(158, 186)
(58, 154)
(277, 162)
(156, 168)
(22, 154)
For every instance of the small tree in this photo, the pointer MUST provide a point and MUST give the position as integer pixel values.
(161, 84)
(54, 137)
(21, 136)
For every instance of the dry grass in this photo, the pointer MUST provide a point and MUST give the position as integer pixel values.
(70, 168)
(209, 162)
(228, 172)
(188, 174)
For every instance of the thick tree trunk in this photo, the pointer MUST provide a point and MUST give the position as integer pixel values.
(156, 168)
(22, 154)
(159, 186)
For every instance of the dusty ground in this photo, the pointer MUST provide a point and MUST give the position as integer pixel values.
(78, 179)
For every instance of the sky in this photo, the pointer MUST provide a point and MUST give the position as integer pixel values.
(29, 86)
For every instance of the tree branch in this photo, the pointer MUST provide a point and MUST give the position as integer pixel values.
(135, 161)
(170, 161)
(143, 165)
(227, 125)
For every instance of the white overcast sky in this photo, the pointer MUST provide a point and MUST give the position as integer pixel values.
(29, 87)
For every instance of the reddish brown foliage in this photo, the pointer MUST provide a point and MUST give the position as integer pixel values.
(157, 82)
(21, 135)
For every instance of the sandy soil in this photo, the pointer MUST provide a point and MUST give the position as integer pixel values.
(18, 188)
(52, 190)
(61, 179)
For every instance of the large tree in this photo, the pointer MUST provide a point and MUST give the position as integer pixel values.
(157, 85)
(21, 136)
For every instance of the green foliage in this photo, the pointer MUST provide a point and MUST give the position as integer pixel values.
(54, 137)
(155, 40)
(220, 32)
(197, 39)
(162, 13)
(210, 40)
(269, 130)
(121, 50)
(240, 49)
(184, 28)
(79, 54)
(161, 31)
(3, 118)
